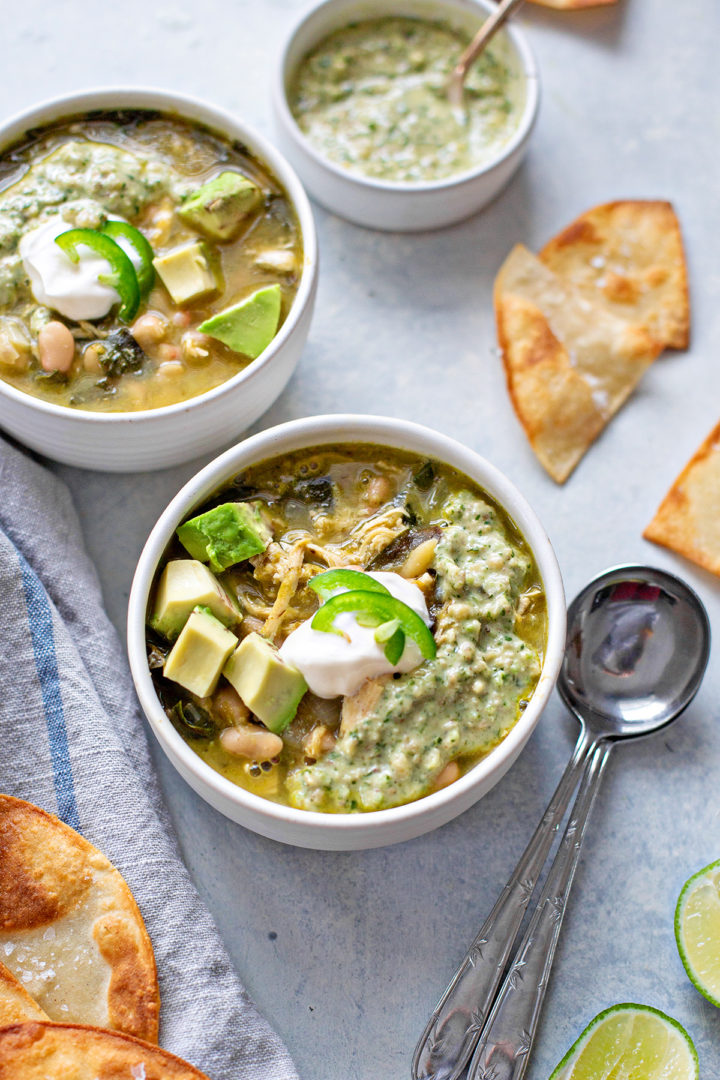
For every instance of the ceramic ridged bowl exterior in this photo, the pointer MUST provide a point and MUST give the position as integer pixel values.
(158, 438)
(341, 832)
(374, 203)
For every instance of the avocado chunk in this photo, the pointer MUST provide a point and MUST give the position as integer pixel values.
(186, 584)
(200, 653)
(226, 535)
(250, 326)
(270, 687)
(219, 208)
(189, 272)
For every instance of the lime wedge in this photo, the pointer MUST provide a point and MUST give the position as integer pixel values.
(630, 1042)
(697, 931)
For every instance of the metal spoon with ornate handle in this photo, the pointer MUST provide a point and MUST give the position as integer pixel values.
(487, 31)
(637, 648)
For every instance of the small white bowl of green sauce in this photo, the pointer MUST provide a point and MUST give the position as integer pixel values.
(362, 112)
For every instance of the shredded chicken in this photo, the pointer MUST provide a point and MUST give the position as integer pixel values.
(361, 704)
(370, 537)
(282, 565)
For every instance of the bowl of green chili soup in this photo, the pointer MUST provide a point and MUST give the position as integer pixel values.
(344, 630)
(362, 111)
(157, 278)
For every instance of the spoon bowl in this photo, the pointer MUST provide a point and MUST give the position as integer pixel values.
(638, 643)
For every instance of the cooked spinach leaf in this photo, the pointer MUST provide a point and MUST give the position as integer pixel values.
(195, 721)
(121, 353)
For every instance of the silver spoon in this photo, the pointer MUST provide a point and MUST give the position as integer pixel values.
(489, 28)
(637, 647)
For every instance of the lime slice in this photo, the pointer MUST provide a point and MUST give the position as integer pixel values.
(697, 930)
(630, 1042)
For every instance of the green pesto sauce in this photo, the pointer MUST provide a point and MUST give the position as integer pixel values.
(372, 98)
(462, 703)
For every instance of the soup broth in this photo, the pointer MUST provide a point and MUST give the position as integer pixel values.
(403, 734)
(142, 167)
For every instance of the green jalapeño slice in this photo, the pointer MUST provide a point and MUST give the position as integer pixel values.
(122, 276)
(145, 272)
(374, 609)
(326, 584)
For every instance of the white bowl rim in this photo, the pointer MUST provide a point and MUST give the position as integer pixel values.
(451, 183)
(323, 430)
(223, 122)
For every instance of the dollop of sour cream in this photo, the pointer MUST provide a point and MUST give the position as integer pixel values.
(335, 666)
(57, 282)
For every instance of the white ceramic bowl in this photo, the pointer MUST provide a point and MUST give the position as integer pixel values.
(376, 828)
(157, 438)
(379, 204)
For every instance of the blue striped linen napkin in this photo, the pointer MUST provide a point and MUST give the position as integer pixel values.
(73, 742)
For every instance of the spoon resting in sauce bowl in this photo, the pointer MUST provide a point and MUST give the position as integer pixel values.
(637, 647)
(456, 82)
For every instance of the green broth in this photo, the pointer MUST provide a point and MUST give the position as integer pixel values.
(138, 165)
(337, 496)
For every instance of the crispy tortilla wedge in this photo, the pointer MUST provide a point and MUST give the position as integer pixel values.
(45, 1051)
(688, 518)
(70, 930)
(628, 258)
(570, 364)
(16, 1004)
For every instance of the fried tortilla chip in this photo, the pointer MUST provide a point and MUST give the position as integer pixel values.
(628, 257)
(688, 518)
(570, 364)
(45, 1051)
(70, 930)
(16, 1004)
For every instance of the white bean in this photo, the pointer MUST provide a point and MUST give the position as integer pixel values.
(447, 776)
(419, 559)
(379, 491)
(56, 347)
(230, 706)
(170, 369)
(251, 742)
(91, 357)
(149, 329)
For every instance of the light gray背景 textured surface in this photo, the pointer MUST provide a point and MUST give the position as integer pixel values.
(346, 954)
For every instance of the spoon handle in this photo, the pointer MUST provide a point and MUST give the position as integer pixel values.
(487, 31)
(506, 1041)
(445, 1046)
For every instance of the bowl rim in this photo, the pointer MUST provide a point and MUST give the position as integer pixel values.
(530, 73)
(225, 124)
(326, 430)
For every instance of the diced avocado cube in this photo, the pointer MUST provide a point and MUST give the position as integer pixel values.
(226, 535)
(219, 208)
(189, 272)
(270, 687)
(199, 654)
(250, 326)
(186, 584)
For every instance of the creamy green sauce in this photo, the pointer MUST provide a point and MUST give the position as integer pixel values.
(461, 703)
(372, 98)
(83, 180)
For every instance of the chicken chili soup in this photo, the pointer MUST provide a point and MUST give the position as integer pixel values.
(346, 629)
(143, 260)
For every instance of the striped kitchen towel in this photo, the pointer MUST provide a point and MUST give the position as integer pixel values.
(73, 742)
